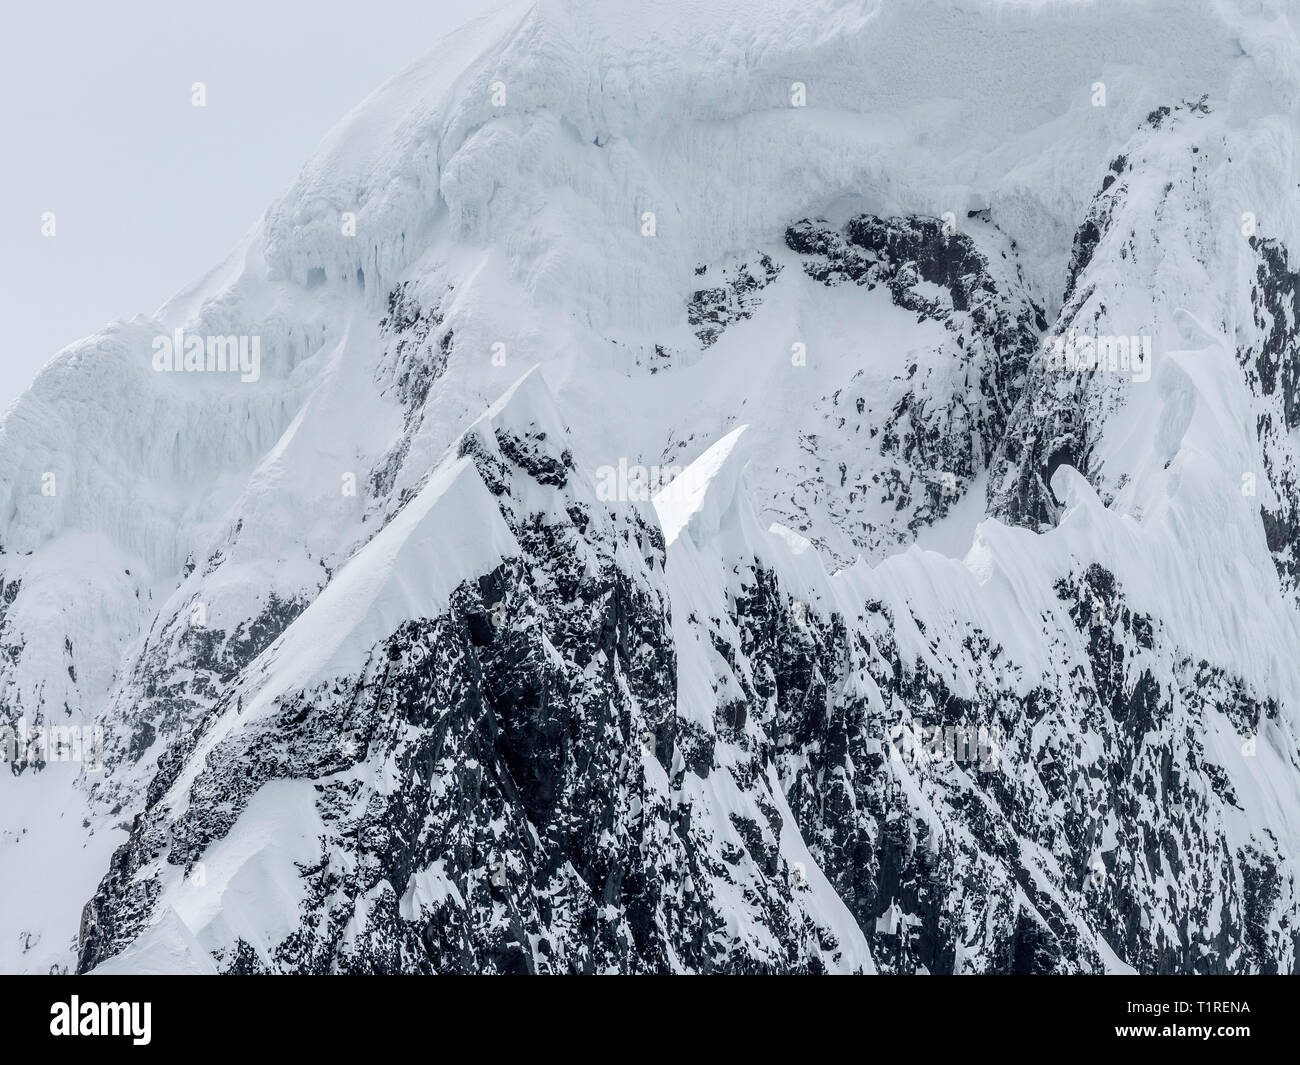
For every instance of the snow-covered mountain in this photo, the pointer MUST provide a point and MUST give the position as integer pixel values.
(810, 486)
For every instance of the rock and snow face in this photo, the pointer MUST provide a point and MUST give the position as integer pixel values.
(896, 641)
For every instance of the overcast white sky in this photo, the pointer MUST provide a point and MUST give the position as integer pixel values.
(148, 191)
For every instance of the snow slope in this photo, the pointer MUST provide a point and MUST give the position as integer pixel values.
(833, 322)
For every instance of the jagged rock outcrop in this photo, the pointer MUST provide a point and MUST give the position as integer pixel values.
(683, 525)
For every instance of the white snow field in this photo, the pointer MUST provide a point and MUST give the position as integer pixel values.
(484, 287)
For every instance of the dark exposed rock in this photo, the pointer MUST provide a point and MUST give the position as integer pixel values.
(1272, 368)
(711, 310)
(945, 420)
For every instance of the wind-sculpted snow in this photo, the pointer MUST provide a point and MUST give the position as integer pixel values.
(679, 521)
(498, 787)
(1080, 815)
